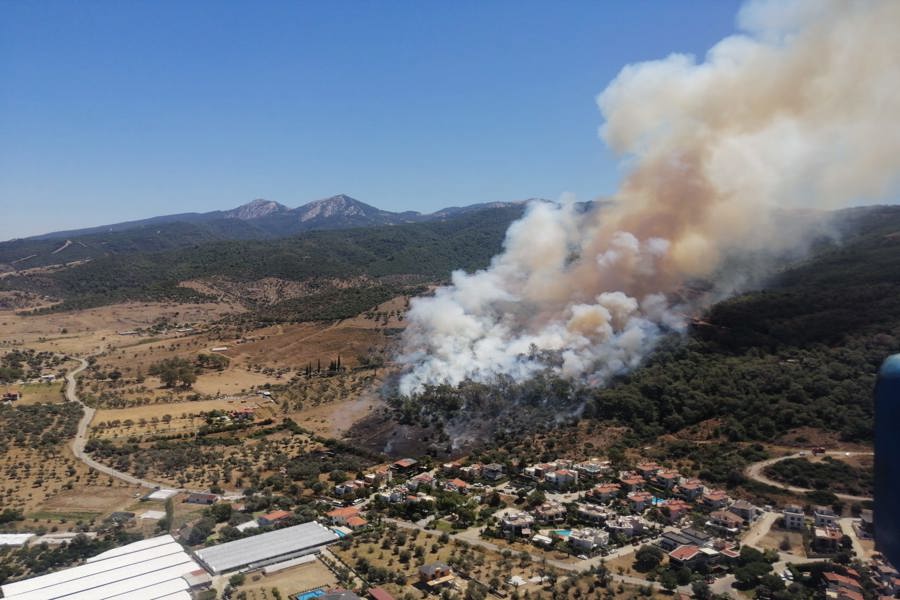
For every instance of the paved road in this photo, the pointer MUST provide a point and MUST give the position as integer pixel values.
(755, 471)
(81, 438)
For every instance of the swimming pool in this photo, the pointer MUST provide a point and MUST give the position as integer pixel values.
(310, 595)
(562, 532)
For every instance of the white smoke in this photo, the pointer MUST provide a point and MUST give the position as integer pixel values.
(801, 109)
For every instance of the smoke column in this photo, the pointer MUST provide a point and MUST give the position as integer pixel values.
(800, 109)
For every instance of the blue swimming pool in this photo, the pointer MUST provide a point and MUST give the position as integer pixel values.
(310, 595)
(562, 532)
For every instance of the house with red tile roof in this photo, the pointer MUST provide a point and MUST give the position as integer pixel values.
(675, 508)
(339, 516)
(639, 501)
(273, 517)
(715, 499)
(604, 492)
(632, 481)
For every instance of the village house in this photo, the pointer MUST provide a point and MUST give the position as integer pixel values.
(550, 512)
(826, 539)
(824, 517)
(562, 479)
(593, 468)
(274, 517)
(715, 499)
(456, 485)
(198, 498)
(725, 521)
(674, 509)
(436, 574)
(793, 517)
(667, 479)
(631, 481)
(639, 501)
(12, 395)
(588, 539)
(647, 469)
(745, 510)
(394, 495)
(379, 476)
(591, 513)
(686, 556)
(339, 516)
(493, 472)
(517, 523)
(471, 472)
(603, 492)
(356, 522)
(450, 469)
(426, 479)
(405, 465)
(540, 470)
(625, 526)
(348, 487)
(690, 489)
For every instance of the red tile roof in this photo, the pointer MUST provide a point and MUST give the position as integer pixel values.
(379, 594)
(346, 512)
(684, 552)
(276, 515)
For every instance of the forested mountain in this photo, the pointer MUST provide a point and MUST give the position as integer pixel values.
(259, 220)
(391, 256)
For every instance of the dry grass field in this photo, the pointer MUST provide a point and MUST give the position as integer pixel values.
(87, 331)
(289, 581)
(38, 393)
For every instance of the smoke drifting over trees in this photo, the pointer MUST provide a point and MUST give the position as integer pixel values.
(798, 110)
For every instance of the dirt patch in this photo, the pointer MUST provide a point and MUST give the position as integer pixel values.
(289, 581)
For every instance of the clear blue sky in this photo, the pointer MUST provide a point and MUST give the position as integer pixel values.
(115, 110)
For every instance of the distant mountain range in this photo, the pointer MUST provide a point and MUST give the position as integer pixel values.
(256, 220)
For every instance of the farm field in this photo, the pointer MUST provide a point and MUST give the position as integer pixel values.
(39, 393)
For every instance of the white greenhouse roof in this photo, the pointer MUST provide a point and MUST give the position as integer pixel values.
(266, 546)
(161, 494)
(146, 570)
(14, 539)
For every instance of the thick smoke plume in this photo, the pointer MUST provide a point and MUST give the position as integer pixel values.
(799, 110)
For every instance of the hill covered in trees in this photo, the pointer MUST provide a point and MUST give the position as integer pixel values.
(802, 352)
(384, 261)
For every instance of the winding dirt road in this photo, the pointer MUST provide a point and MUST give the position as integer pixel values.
(755, 471)
(81, 438)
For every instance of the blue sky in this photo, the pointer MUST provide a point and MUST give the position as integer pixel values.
(113, 110)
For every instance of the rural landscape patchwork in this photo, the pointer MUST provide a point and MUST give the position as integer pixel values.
(683, 388)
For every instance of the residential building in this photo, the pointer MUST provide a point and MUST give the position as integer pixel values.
(632, 481)
(426, 479)
(690, 489)
(404, 465)
(274, 517)
(714, 499)
(625, 526)
(436, 574)
(667, 479)
(793, 517)
(826, 539)
(697, 537)
(726, 521)
(647, 469)
(603, 492)
(550, 512)
(639, 501)
(206, 499)
(456, 485)
(824, 517)
(674, 509)
(591, 513)
(493, 472)
(562, 478)
(517, 523)
(588, 539)
(339, 516)
(593, 468)
(686, 556)
(471, 472)
(745, 510)
(348, 487)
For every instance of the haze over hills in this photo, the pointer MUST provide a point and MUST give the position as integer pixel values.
(259, 219)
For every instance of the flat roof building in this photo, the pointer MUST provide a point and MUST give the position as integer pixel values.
(266, 548)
